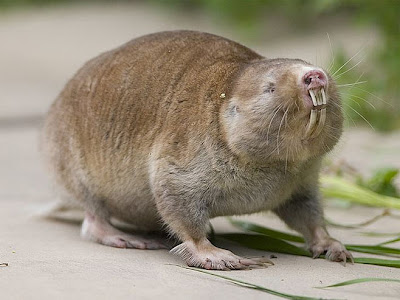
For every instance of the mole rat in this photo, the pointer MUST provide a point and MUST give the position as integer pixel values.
(174, 128)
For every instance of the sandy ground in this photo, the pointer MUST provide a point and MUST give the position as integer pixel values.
(48, 260)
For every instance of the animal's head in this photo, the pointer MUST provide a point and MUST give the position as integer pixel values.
(284, 109)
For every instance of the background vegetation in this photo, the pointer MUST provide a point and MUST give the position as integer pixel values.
(378, 100)
(373, 99)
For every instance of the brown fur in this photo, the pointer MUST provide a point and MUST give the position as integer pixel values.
(141, 133)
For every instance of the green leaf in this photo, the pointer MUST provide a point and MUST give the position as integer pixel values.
(254, 286)
(336, 187)
(382, 182)
(359, 280)
(266, 231)
(278, 237)
(378, 250)
(393, 263)
(379, 234)
(385, 213)
(390, 241)
(266, 243)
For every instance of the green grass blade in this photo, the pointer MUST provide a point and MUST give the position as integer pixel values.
(379, 234)
(336, 187)
(266, 231)
(278, 235)
(389, 242)
(378, 250)
(254, 286)
(359, 280)
(385, 213)
(393, 263)
(265, 243)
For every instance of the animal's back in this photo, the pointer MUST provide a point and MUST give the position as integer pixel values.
(158, 88)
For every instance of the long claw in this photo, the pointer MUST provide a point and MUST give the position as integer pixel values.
(316, 255)
(343, 258)
(263, 260)
(350, 256)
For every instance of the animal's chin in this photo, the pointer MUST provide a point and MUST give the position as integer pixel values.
(317, 101)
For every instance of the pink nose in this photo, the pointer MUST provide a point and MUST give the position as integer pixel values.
(314, 79)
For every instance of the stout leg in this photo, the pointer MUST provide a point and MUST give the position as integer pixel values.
(303, 213)
(100, 230)
(184, 210)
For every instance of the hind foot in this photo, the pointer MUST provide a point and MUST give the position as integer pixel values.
(204, 255)
(101, 231)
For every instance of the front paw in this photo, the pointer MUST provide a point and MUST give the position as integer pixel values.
(333, 250)
(204, 255)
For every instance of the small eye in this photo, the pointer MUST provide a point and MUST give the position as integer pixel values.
(269, 90)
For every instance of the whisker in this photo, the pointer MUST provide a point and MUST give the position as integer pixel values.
(286, 162)
(348, 70)
(358, 80)
(280, 126)
(356, 102)
(269, 126)
(352, 84)
(349, 60)
(335, 114)
(286, 122)
(364, 100)
(368, 92)
(360, 116)
(346, 114)
(329, 126)
(332, 54)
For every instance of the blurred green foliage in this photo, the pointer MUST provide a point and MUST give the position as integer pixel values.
(377, 101)
(5, 4)
(381, 182)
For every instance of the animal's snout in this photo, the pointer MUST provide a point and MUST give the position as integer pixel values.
(314, 79)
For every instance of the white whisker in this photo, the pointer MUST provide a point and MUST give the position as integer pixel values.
(364, 100)
(279, 130)
(346, 114)
(332, 54)
(269, 126)
(348, 61)
(390, 104)
(286, 162)
(360, 116)
(352, 84)
(348, 70)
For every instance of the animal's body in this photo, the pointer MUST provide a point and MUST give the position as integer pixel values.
(175, 128)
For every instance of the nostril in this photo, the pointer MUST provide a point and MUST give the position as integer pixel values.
(314, 79)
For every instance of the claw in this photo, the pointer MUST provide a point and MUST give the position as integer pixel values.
(343, 258)
(350, 256)
(266, 261)
(316, 254)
